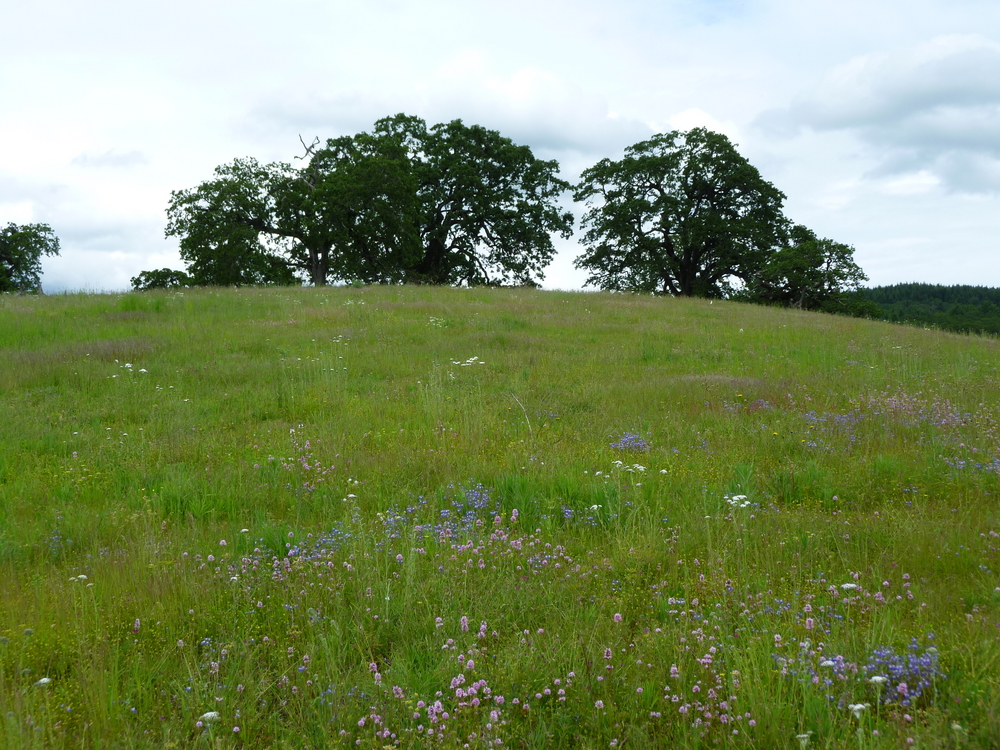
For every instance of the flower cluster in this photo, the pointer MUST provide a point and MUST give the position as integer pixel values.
(904, 678)
(631, 442)
(829, 673)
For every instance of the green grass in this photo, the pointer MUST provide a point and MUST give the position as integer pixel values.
(369, 476)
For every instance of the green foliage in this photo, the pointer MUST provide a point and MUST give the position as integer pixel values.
(21, 251)
(681, 214)
(161, 278)
(809, 274)
(453, 204)
(967, 309)
(486, 206)
(227, 227)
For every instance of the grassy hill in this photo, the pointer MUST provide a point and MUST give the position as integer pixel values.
(424, 517)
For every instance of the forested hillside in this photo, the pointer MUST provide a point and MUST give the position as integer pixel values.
(969, 309)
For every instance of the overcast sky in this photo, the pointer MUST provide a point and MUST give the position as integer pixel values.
(879, 119)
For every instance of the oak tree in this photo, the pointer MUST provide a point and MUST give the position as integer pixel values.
(682, 213)
(21, 251)
(809, 273)
(450, 204)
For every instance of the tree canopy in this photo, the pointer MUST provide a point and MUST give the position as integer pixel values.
(450, 204)
(485, 207)
(160, 278)
(682, 213)
(809, 273)
(21, 251)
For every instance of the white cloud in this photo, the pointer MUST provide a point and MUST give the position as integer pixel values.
(882, 124)
(911, 184)
(112, 158)
(531, 105)
(931, 109)
(18, 213)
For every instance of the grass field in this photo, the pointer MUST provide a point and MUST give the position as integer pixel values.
(418, 517)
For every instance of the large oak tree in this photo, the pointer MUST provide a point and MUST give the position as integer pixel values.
(450, 204)
(486, 207)
(682, 213)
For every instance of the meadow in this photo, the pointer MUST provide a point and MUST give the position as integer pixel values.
(445, 518)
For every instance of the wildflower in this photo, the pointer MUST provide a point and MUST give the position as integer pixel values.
(607, 653)
(848, 586)
(236, 730)
(878, 680)
(810, 623)
(464, 622)
(222, 542)
(209, 717)
(43, 682)
(618, 617)
(631, 442)
(803, 740)
(857, 709)
(599, 704)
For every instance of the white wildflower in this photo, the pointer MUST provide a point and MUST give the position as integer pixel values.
(857, 709)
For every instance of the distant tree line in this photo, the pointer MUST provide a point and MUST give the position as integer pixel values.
(965, 309)
(683, 213)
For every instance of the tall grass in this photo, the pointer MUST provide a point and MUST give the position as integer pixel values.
(424, 517)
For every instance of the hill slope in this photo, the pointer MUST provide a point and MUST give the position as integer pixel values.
(295, 508)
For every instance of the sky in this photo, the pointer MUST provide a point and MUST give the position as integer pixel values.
(878, 119)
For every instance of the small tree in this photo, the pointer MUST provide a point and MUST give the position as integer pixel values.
(809, 273)
(161, 278)
(21, 251)
(681, 214)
